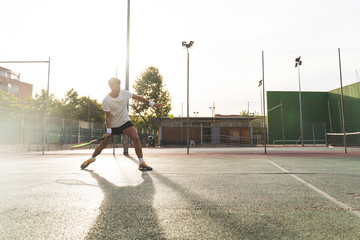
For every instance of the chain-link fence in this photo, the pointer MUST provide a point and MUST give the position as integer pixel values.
(26, 131)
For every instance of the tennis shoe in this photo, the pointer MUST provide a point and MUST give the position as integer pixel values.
(87, 163)
(144, 167)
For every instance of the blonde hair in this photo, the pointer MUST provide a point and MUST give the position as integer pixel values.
(113, 81)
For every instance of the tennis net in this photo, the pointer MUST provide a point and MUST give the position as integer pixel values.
(337, 139)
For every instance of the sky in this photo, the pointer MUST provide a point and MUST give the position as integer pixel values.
(86, 43)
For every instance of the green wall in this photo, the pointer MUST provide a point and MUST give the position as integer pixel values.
(351, 108)
(319, 109)
(314, 111)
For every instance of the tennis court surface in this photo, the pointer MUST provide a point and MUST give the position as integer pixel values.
(222, 193)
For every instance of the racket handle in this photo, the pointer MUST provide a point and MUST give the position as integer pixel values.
(102, 138)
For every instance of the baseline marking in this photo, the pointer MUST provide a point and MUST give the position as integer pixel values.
(324, 194)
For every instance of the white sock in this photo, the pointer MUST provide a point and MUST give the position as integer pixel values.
(92, 158)
(141, 160)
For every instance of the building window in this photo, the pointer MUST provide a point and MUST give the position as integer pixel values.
(3, 73)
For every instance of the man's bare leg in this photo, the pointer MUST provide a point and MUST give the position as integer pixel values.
(133, 135)
(96, 152)
(101, 147)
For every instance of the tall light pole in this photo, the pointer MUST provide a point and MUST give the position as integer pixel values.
(264, 131)
(213, 110)
(126, 139)
(261, 110)
(342, 102)
(298, 63)
(187, 46)
(259, 86)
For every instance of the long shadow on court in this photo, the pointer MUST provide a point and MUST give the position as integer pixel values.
(226, 222)
(126, 212)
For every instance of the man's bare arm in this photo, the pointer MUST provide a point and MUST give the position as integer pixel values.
(142, 99)
(108, 124)
(108, 119)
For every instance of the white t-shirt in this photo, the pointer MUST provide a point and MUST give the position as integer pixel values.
(117, 108)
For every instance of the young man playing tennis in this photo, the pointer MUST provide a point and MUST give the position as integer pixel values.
(118, 121)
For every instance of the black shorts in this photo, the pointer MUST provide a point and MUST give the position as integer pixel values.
(119, 130)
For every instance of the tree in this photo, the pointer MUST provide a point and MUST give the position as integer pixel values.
(89, 108)
(71, 106)
(40, 101)
(7, 100)
(150, 85)
(79, 108)
(7, 97)
(8, 103)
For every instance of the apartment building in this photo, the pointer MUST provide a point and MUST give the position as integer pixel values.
(10, 82)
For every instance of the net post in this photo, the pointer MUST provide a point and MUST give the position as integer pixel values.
(326, 140)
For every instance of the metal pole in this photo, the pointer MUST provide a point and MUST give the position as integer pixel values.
(45, 132)
(282, 122)
(301, 118)
(342, 102)
(188, 121)
(126, 139)
(63, 130)
(340, 117)
(18, 115)
(71, 124)
(89, 135)
(263, 78)
(331, 130)
(47, 104)
(326, 141)
(313, 133)
(25, 61)
(261, 107)
(213, 136)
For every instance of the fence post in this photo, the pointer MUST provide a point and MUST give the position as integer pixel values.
(282, 123)
(62, 132)
(331, 130)
(313, 132)
(326, 141)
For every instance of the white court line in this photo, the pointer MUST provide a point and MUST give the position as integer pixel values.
(324, 194)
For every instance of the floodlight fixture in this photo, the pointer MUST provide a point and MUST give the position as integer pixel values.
(187, 45)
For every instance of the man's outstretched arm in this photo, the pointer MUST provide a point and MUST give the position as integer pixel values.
(142, 99)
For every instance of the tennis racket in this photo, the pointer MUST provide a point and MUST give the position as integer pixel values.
(78, 145)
